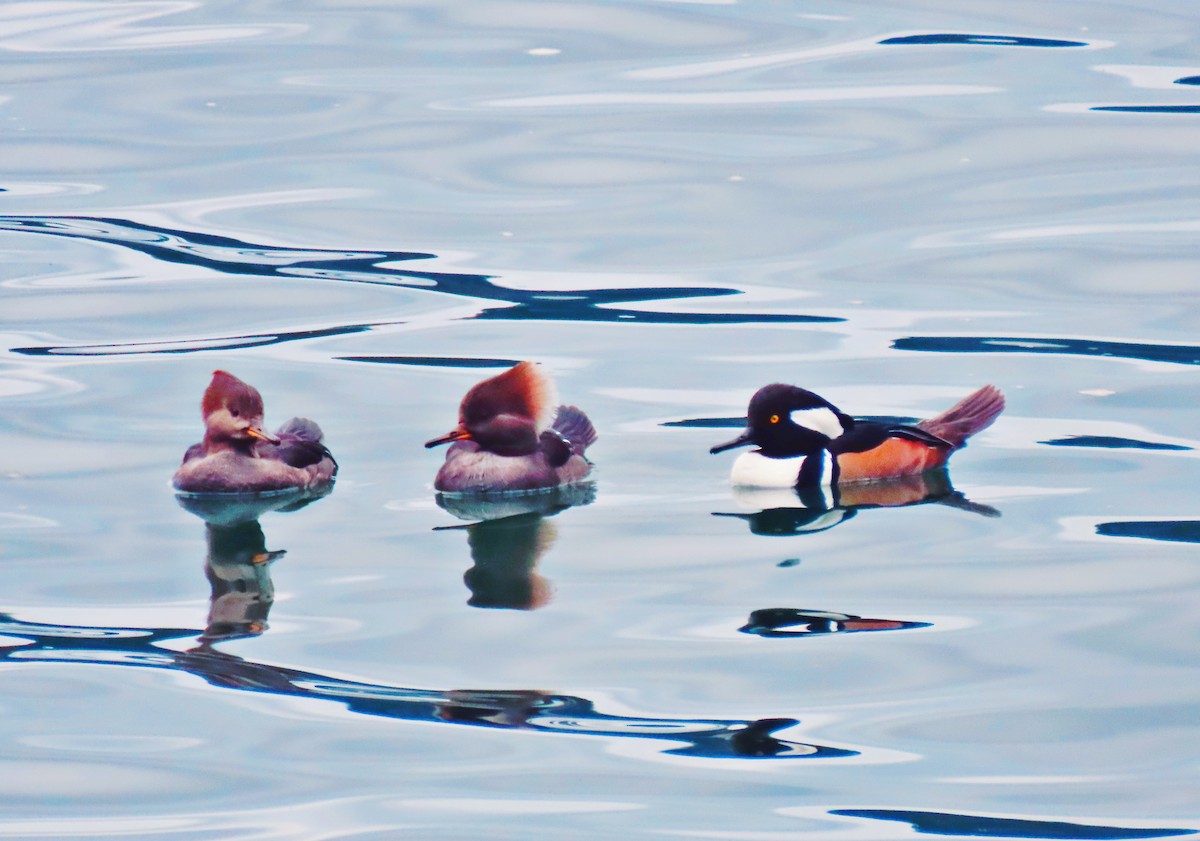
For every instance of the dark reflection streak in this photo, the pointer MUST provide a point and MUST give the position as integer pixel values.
(522, 710)
(433, 361)
(707, 423)
(222, 343)
(982, 40)
(1188, 80)
(236, 257)
(1111, 442)
(943, 823)
(1149, 109)
(1178, 354)
(1173, 531)
(608, 314)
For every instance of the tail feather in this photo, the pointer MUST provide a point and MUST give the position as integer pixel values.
(299, 445)
(574, 425)
(300, 428)
(972, 414)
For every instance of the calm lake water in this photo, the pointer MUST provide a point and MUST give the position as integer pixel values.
(363, 208)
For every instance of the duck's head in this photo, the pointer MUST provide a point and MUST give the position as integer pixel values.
(784, 421)
(505, 414)
(233, 412)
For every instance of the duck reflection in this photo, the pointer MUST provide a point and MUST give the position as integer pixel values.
(507, 540)
(238, 563)
(238, 571)
(797, 622)
(787, 511)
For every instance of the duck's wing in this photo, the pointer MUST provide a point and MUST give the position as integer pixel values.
(299, 444)
(194, 451)
(862, 436)
(301, 429)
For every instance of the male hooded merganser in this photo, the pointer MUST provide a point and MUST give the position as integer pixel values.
(502, 443)
(238, 456)
(804, 440)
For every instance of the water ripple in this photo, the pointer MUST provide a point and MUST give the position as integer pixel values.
(231, 256)
(1111, 442)
(1172, 531)
(511, 709)
(1144, 351)
(65, 27)
(1149, 109)
(740, 97)
(982, 40)
(948, 823)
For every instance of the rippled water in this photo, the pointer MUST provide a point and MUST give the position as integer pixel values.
(365, 208)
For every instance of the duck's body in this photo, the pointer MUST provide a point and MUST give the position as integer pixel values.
(501, 444)
(238, 456)
(804, 440)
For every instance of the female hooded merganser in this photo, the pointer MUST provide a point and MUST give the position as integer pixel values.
(238, 456)
(804, 440)
(502, 444)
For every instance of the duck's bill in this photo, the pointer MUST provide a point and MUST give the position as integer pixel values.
(743, 440)
(261, 434)
(454, 435)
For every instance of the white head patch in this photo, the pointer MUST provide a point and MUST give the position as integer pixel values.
(821, 419)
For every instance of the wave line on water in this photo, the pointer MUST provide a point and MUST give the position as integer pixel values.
(228, 255)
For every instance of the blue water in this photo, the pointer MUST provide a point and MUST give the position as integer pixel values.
(363, 209)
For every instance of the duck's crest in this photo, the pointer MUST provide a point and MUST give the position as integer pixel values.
(228, 391)
(523, 389)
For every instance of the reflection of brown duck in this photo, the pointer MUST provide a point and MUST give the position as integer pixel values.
(784, 511)
(238, 456)
(507, 542)
(506, 554)
(498, 707)
(237, 568)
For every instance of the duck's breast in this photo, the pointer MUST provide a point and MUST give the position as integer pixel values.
(228, 472)
(469, 469)
(754, 470)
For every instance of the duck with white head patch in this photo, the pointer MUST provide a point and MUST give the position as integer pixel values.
(804, 441)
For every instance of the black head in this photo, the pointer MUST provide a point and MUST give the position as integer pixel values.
(785, 421)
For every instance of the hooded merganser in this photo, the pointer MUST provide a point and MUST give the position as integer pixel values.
(502, 443)
(803, 440)
(238, 456)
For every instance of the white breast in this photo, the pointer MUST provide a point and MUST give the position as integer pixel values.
(754, 470)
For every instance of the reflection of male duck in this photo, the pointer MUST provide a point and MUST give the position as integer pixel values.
(787, 511)
(796, 622)
(237, 568)
(511, 535)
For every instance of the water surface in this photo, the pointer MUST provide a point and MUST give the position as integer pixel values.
(364, 209)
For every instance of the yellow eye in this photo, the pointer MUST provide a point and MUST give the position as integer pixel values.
(774, 418)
